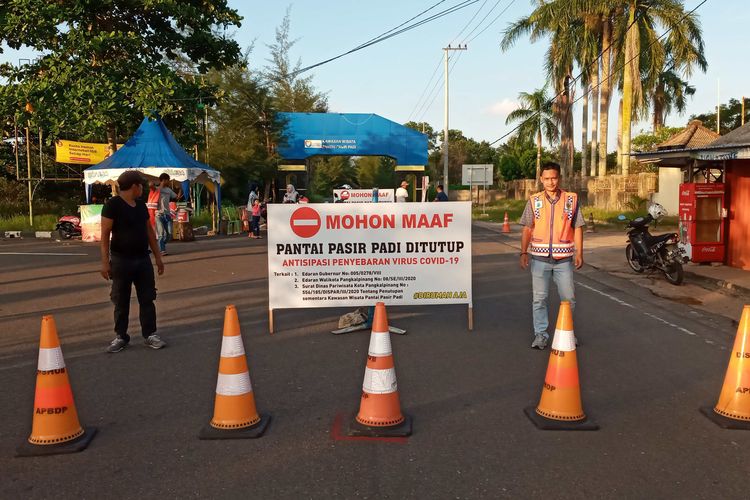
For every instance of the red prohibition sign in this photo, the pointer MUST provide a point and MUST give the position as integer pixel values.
(305, 222)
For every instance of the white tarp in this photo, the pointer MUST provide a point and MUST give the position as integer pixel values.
(334, 255)
(92, 175)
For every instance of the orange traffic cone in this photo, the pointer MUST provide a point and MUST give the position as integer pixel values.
(506, 224)
(55, 427)
(235, 415)
(560, 406)
(732, 411)
(380, 410)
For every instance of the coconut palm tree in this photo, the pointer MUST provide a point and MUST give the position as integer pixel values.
(537, 120)
(637, 25)
(551, 19)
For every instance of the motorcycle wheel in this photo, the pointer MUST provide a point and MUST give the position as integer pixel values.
(633, 259)
(674, 273)
(65, 232)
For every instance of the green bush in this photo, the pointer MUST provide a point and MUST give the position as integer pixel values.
(20, 222)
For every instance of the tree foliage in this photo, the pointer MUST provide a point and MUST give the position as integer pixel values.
(647, 141)
(106, 64)
(289, 91)
(730, 114)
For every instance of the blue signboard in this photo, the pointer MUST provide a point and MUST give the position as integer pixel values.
(350, 134)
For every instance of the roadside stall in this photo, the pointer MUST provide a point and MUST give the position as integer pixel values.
(152, 150)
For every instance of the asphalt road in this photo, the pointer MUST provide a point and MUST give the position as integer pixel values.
(646, 366)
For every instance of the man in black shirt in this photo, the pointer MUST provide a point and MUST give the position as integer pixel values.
(126, 260)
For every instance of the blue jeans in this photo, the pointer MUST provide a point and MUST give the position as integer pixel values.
(163, 230)
(541, 272)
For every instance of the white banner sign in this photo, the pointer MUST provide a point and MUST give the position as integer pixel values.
(362, 196)
(476, 175)
(335, 255)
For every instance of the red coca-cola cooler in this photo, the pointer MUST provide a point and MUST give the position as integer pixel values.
(702, 216)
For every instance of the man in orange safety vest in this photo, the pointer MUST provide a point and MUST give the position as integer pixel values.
(553, 236)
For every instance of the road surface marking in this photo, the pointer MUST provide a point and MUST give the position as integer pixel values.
(41, 253)
(622, 302)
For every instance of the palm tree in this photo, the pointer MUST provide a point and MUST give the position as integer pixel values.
(670, 93)
(537, 120)
(637, 24)
(552, 19)
(667, 90)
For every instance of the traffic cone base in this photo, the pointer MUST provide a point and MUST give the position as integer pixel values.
(723, 421)
(402, 429)
(77, 444)
(254, 431)
(548, 424)
(732, 410)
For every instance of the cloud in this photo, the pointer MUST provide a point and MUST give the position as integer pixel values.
(502, 108)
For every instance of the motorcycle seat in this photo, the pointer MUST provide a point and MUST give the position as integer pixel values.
(652, 240)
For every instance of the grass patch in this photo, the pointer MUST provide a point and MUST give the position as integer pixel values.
(204, 219)
(20, 222)
(607, 218)
(496, 210)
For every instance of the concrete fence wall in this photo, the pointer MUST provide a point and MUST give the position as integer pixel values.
(612, 192)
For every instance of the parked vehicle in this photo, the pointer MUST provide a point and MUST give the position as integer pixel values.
(646, 251)
(68, 226)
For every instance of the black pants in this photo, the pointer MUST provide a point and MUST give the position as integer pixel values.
(255, 225)
(125, 273)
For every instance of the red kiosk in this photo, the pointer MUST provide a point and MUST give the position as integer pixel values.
(702, 216)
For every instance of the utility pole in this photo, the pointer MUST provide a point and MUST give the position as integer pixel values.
(445, 130)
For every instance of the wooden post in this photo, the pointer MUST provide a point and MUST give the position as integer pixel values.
(742, 119)
(270, 321)
(471, 318)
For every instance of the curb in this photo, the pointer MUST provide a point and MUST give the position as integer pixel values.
(699, 279)
(27, 234)
(732, 288)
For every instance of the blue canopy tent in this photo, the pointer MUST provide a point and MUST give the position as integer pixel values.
(153, 150)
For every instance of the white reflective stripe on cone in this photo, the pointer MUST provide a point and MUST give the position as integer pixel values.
(233, 385)
(50, 359)
(231, 347)
(564, 340)
(380, 381)
(380, 344)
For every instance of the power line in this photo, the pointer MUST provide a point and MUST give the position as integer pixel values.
(443, 13)
(470, 20)
(612, 73)
(491, 23)
(437, 84)
(434, 72)
(400, 25)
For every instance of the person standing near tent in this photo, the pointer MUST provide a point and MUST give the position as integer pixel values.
(164, 213)
(291, 195)
(252, 197)
(125, 260)
(153, 202)
(401, 193)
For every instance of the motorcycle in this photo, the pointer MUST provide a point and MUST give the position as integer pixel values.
(68, 226)
(654, 252)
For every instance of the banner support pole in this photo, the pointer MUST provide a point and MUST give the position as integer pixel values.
(471, 318)
(270, 321)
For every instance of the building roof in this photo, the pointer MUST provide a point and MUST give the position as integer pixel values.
(737, 138)
(695, 135)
